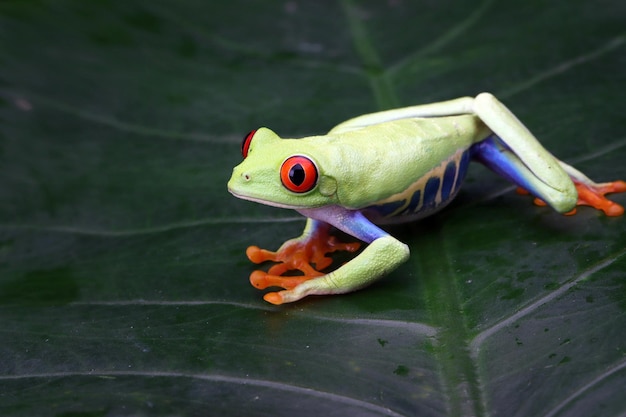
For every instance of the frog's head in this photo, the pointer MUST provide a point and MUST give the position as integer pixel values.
(281, 172)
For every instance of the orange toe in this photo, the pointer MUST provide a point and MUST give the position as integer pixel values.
(307, 254)
(594, 196)
(263, 280)
(273, 298)
(257, 279)
(258, 255)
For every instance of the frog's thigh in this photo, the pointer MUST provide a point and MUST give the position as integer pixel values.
(499, 158)
(522, 143)
(379, 258)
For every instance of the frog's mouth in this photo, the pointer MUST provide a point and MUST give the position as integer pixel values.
(262, 201)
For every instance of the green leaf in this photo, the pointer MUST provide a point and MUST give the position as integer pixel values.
(123, 280)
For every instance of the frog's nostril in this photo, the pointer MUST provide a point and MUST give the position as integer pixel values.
(245, 176)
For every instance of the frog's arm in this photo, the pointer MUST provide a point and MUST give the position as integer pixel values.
(383, 254)
(299, 253)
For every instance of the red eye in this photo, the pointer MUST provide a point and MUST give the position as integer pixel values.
(298, 174)
(245, 145)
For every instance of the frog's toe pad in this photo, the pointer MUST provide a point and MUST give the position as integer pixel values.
(594, 195)
(274, 298)
(282, 297)
(263, 280)
(258, 255)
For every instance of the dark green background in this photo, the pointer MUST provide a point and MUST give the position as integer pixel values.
(123, 282)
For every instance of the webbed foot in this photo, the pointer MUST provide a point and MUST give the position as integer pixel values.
(592, 194)
(296, 255)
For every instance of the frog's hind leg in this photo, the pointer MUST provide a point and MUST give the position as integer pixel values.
(515, 153)
(497, 156)
(591, 193)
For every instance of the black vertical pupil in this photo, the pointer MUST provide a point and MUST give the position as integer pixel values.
(296, 174)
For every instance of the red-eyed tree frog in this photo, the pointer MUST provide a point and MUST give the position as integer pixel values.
(390, 166)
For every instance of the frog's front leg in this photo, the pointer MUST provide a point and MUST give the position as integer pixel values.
(301, 253)
(383, 254)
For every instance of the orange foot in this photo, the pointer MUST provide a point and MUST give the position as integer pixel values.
(593, 195)
(297, 254)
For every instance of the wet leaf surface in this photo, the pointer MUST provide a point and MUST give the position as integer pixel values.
(123, 283)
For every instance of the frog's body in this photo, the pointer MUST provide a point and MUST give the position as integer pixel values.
(430, 154)
(386, 167)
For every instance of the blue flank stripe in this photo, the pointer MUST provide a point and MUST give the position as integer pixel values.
(415, 201)
(449, 183)
(430, 193)
(448, 180)
(463, 165)
(388, 209)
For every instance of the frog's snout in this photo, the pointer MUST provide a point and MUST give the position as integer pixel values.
(238, 178)
(241, 175)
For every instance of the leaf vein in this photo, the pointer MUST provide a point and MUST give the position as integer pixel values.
(63, 229)
(618, 367)
(447, 37)
(559, 69)
(327, 396)
(478, 340)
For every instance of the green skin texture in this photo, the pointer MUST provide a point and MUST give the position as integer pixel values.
(376, 158)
